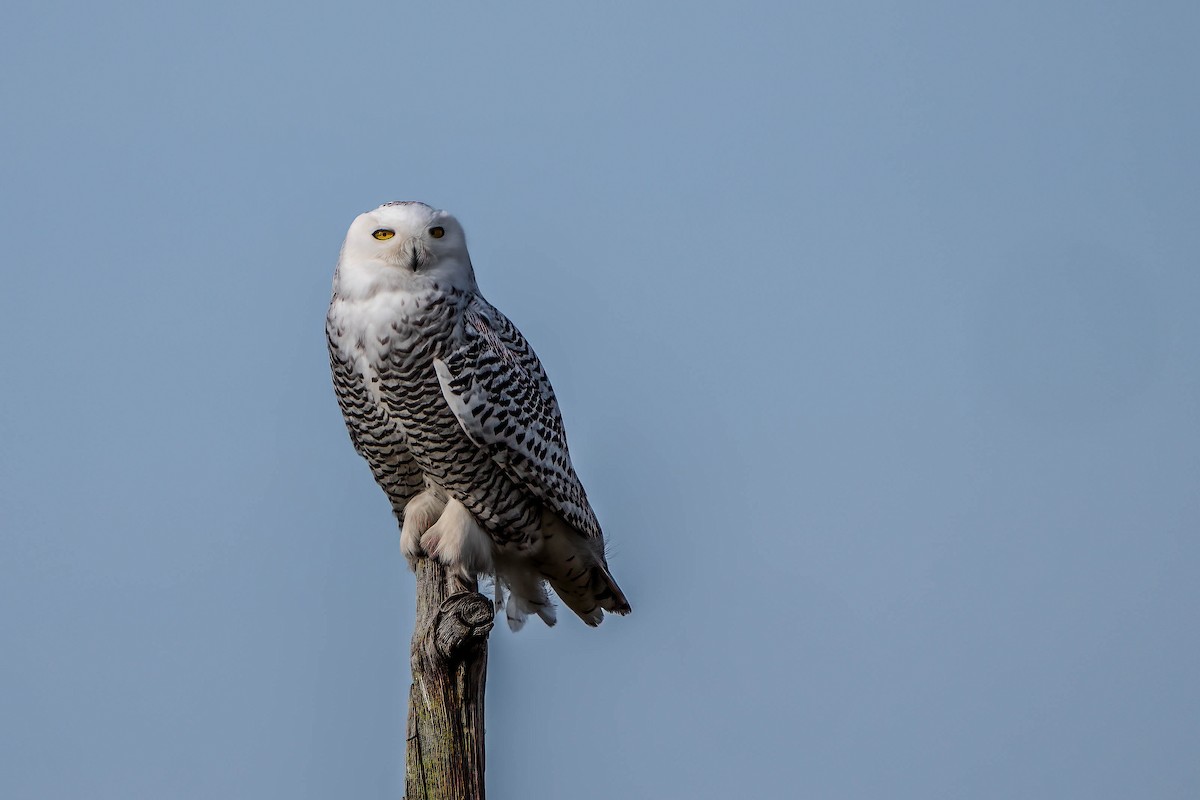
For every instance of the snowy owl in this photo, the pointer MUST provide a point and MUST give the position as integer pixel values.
(454, 413)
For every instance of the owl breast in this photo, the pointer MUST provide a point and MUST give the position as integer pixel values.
(400, 355)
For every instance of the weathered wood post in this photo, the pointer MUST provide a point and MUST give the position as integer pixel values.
(444, 758)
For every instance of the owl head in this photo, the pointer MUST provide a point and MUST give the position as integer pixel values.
(405, 246)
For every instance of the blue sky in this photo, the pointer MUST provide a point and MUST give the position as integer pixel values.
(875, 331)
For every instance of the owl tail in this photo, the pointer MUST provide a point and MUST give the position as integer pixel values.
(576, 569)
(526, 595)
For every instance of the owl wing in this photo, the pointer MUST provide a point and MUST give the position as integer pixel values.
(502, 398)
(375, 436)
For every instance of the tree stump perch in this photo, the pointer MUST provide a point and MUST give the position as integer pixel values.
(444, 757)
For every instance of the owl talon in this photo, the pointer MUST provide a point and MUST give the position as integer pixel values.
(457, 541)
(419, 515)
(430, 546)
(411, 550)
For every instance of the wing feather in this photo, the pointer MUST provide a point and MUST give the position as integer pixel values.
(376, 437)
(502, 398)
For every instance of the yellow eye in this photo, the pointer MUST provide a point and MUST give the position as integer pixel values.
(437, 233)
(383, 233)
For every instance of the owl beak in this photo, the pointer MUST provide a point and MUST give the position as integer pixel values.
(414, 253)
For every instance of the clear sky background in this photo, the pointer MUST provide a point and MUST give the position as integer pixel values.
(876, 328)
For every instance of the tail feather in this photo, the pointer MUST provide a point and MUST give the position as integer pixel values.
(526, 595)
(576, 569)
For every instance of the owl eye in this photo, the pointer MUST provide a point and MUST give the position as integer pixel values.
(437, 232)
(383, 233)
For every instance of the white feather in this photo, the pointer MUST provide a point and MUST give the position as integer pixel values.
(419, 514)
(457, 541)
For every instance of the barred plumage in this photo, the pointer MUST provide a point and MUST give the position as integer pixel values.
(456, 417)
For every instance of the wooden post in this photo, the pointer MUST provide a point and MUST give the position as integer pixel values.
(445, 754)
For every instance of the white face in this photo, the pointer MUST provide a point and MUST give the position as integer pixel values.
(404, 246)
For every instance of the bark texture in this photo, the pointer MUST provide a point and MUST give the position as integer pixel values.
(445, 755)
